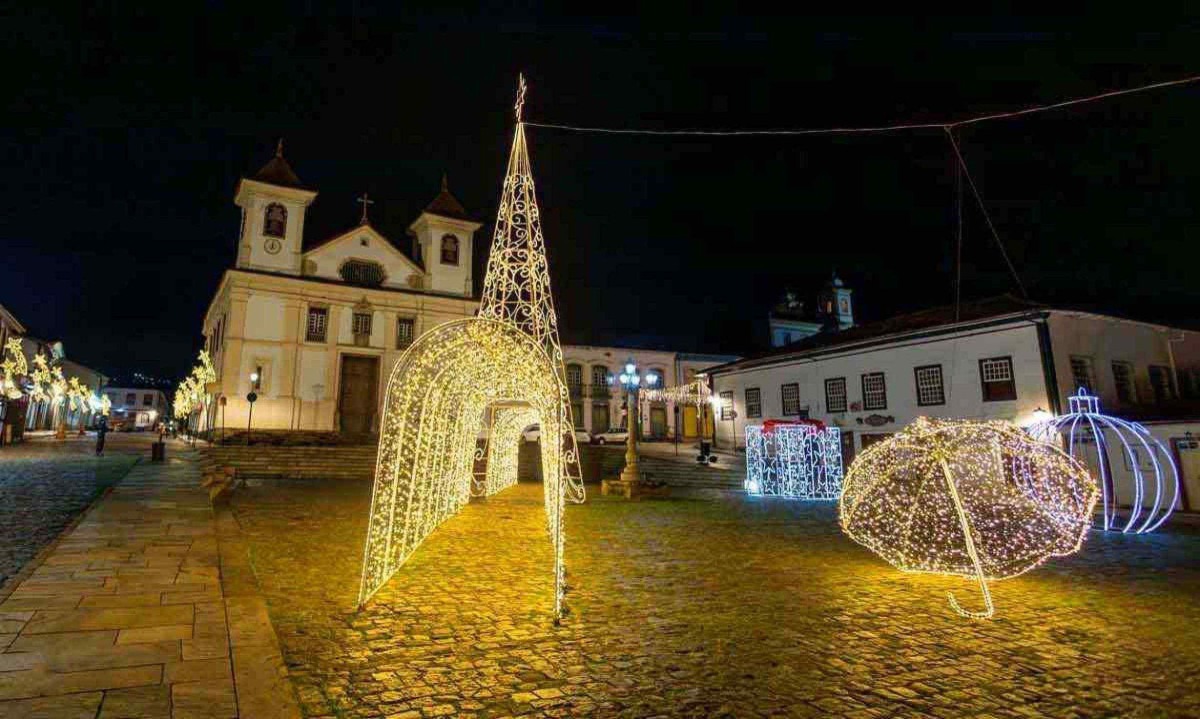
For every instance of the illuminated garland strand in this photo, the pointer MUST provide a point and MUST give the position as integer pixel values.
(695, 392)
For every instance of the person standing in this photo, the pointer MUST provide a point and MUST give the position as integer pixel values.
(101, 431)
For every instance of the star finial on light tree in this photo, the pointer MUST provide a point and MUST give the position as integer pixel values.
(521, 87)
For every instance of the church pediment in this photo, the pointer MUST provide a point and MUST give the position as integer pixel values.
(362, 256)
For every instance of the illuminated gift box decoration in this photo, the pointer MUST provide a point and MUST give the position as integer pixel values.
(801, 459)
(968, 498)
(1150, 485)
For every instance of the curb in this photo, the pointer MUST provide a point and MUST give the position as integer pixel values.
(260, 676)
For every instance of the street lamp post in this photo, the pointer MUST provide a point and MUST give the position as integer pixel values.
(630, 381)
(630, 482)
(251, 397)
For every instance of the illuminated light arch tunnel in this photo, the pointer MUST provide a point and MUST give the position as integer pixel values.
(436, 400)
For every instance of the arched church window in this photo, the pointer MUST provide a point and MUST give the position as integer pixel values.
(362, 273)
(449, 250)
(275, 220)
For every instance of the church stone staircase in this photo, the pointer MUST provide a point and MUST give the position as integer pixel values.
(352, 462)
(692, 475)
(357, 462)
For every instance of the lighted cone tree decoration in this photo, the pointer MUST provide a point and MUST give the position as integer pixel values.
(516, 288)
(506, 363)
(974, 499)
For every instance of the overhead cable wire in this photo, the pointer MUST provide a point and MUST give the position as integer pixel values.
(875, 129)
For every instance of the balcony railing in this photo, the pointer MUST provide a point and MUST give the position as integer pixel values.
(593, 391)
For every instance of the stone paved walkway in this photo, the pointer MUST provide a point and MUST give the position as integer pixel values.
(738, 607)
(126, 617)
(42, 490)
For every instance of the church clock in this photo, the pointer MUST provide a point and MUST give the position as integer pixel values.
(273, 245)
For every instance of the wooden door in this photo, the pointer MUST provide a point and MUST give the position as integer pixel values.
(357, 397)
(658, 422)
(867, 440)
(689, 421)
(847, 450)
(599, 418)
(1187, 458)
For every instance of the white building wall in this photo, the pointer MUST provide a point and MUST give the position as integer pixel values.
(670, 366)
(957, 354)
(1105, 340)
(363, 244)
(265, 322)
(264, 318)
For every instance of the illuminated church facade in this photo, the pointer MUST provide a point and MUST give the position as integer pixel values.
(313, 331)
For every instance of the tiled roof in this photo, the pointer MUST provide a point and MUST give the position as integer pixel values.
(900, 324)
(447, 205)
(278, 171)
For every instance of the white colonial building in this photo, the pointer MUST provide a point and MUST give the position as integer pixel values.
(1002, 358)
(597, 402)
(139, 407)
(313, 331)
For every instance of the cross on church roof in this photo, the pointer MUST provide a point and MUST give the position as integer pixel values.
(364, 200)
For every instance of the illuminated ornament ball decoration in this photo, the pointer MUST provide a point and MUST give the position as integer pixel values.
(798, 460)
(1150, 489)
(506, 361)
(967, 498)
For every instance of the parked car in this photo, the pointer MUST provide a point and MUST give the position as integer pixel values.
(533, 433)
(616, 435)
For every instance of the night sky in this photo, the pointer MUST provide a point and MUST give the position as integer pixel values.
(123, 139)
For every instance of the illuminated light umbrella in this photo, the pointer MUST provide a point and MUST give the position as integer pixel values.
(967, 498)
(1086, 427)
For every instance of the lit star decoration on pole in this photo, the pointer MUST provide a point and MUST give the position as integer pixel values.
(192, 392)
(967, 498)
(1089, 437)
(801, 460)
(508, 362)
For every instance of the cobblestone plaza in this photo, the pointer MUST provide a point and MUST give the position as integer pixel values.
(721, 606)
(43, 487)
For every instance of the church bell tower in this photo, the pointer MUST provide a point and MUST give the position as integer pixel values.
(273, 203)
(833, 305)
